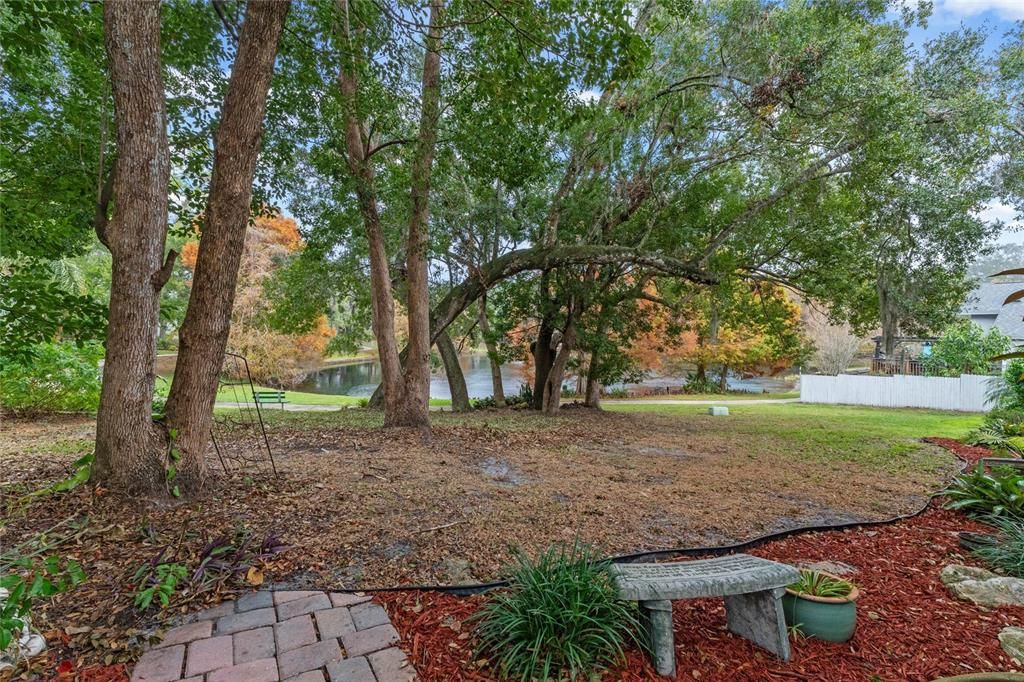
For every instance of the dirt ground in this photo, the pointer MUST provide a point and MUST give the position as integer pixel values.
(361, 507)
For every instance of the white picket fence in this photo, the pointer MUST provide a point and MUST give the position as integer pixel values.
(965, 393)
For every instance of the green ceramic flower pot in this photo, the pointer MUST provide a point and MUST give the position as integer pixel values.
(832, 619)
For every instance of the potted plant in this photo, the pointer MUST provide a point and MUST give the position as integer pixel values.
(821, 605)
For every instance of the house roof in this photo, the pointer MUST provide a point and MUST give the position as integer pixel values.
(987, 300)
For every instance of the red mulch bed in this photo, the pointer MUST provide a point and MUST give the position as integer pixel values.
(909, 626)
(969, 453)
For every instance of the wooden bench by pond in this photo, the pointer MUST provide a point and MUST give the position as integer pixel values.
(752, 587)
(269, 398)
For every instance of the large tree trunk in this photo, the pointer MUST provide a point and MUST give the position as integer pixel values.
(497, 387)
(553, 386)
(406, 391)
(125, 456)
(204, 332)
(453, 370)
(381, 298)
(888, 318)
(413, 409)
(543, 357)
(593, 394)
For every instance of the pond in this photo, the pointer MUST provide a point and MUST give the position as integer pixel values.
(361, 378)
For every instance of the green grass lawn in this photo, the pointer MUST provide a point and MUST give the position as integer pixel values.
(823, 433)
(824, 422)
(231, 394)
(828, 431)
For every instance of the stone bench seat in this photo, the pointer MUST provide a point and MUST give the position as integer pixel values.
(752, 587)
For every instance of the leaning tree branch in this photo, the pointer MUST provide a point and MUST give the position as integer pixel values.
(161, 276)
(541, 258)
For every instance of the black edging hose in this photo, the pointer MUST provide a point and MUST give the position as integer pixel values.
(719, 550)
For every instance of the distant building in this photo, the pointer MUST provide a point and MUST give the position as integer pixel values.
(984, 306)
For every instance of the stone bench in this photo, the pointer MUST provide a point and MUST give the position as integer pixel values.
(752, 587)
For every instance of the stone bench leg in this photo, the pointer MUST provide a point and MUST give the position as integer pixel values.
(656, 620)
(757, 616)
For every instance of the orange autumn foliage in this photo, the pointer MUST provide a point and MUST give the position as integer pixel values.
(746, 345)
(189, 254)
(274, 357)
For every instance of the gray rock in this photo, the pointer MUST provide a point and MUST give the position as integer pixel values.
(1012, 641)
(955, 573)
(718, 411)
(982, 587)
(833, 567)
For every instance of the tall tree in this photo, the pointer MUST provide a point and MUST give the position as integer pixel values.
(406, 390)
(204, 333)
(125, 436)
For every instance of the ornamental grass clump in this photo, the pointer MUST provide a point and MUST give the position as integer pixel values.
(559, 617)
(1006, 552)
(818, 584)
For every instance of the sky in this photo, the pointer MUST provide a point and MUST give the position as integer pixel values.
(996, 18)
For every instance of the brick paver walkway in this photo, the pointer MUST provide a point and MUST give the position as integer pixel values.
(281, 636)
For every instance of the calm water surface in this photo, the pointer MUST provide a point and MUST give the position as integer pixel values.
(361, 378)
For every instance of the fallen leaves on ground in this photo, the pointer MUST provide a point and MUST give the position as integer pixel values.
(361, 507)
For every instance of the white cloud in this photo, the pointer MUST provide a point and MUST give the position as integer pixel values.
(590, 96)
(1013, 232)
(1005, 9)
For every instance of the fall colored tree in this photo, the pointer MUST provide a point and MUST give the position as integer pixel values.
(743, 328)
(274, 357)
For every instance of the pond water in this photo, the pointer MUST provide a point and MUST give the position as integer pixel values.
(361, 378)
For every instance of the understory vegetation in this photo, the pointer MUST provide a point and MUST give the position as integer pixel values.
(58, 377)
(983, 493)
(1005, 553)
(560, 615)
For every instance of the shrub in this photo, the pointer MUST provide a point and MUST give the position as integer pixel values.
(998, 435)
(965, 348)
(525, 396)
(157, 581)
(1007, 552)
(696, 385)
(223, 560)
(1009, 415)
(483, 403)
(61, 377)
(1006, 391)
(1000, 493)
(560, 615)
